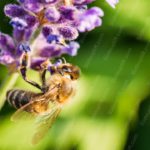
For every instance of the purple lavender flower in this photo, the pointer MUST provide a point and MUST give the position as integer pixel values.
(46, 51)
(19, 14)
(47, 28)
(82, 2)
(90, 19)
(41, 50)
(52, 14)
(66, 17)
(8, 50)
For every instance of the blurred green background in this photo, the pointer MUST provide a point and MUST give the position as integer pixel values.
(111, 110)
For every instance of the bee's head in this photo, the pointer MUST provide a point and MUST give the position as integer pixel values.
(65, 69)
(69, 69)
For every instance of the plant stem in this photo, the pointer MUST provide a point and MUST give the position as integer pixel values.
(7, 85)
(35, 35)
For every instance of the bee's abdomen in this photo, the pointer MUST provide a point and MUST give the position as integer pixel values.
(18, 98)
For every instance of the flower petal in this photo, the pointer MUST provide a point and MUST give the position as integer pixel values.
(32, 5)
(6, 59)
(82, 2)
(24, 47)
(36, 62)
(50, 1)
(89, 19)
(18, 23)
(6, 43)
(68, 12)
(68, 33)
(13, 10)
(22, 35)
(72, 48)
(30, 20)
(52, 14)
(46, 31)
(50, 51)
(52, 38)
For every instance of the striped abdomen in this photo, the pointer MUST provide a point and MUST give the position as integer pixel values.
(18, 98)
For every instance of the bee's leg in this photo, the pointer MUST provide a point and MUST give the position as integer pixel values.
(23, 70)
(44, 67)
(43, 77)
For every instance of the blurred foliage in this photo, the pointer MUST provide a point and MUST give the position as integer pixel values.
(114, 61)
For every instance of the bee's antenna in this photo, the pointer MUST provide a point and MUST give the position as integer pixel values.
(64, 60)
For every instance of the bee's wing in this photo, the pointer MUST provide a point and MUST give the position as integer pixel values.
(22, 113)
(44, 122)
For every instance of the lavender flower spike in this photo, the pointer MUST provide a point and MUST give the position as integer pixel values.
(58, 24)
(66, 17)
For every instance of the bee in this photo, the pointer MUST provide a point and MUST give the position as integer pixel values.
(48, 103)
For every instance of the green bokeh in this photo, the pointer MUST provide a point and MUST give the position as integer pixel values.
(106, 113)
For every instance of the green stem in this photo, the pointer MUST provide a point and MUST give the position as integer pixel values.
(7, 85)
(35, 35)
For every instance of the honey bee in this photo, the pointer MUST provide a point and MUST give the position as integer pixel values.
(46, 104)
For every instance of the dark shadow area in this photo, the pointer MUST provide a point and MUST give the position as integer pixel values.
(139, 135)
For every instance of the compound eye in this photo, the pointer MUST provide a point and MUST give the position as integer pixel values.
(66, 69)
